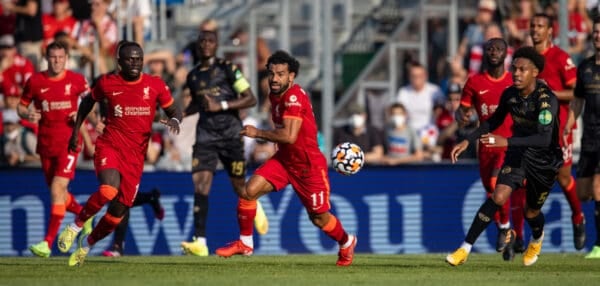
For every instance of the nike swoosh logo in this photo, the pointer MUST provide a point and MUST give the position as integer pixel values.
(117, 92)
(483, 91)
(43, 90)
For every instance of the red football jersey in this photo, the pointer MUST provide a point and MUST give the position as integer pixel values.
(18, 73)
(51, 26)
(56, 98)
(296, 104)
(559, 72)
(483, 93)
(130, 109)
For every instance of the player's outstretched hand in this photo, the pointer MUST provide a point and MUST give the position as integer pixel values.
(458, 149)
(73, 141)
(249, 131)
(172, 124)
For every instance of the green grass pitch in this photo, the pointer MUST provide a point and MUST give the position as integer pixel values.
(287, 270)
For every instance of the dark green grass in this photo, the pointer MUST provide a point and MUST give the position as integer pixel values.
(430, 269)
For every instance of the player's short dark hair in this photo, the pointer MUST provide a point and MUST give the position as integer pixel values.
(596, 20)
(57, 45)
(124, 44)
(490, 41)
(549, 18)
(531, 54)
(282, 57)
(202, 32)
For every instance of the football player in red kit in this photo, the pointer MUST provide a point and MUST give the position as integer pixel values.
(55, 94)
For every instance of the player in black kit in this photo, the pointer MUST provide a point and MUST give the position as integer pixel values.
(587, 91)
(219, 90)
(533, 153)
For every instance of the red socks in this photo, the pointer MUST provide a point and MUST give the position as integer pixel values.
(571, 195)
(57, 213)
(72, 205)
(335, 230)
(107, 225)
(96, 201)
(246, 212)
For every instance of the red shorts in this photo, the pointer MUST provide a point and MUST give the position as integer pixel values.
(62, 165)
(311, 184)
(129, 164)
(490, 161)
(568, 149)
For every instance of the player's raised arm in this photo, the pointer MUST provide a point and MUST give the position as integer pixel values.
(286, 134)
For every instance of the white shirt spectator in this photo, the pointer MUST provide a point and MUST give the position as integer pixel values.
(130, 9)
(419, 104)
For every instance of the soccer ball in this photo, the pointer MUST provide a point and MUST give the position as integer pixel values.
(347, 158)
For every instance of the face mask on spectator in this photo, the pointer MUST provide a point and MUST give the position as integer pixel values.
(398, 120)
(357, 121)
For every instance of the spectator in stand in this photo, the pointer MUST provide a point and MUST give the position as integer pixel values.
(445, 121)
(14, 68)
(8, 20)
(418, 97)
(134, 12)
(17, 144)
(81, 10)
(14, 72)
(102, 28)
(28, 31)
(403, 144)
(240, 38)
(473, 35)
(358, 131)
(60, 20)
(578, 28)
(161, 63)
(517, 23)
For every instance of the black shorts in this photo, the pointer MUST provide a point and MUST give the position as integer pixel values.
(538, 178)
(589, 164)
(230, 152)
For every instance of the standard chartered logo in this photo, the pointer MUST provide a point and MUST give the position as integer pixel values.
(118, 111)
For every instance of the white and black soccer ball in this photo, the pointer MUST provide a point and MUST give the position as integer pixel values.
(347, 158)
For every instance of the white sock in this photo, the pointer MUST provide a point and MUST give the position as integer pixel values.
(201, 240)
(466, 246)
(351, 238)
(505, 225)
(247, 240)
(74, 227)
